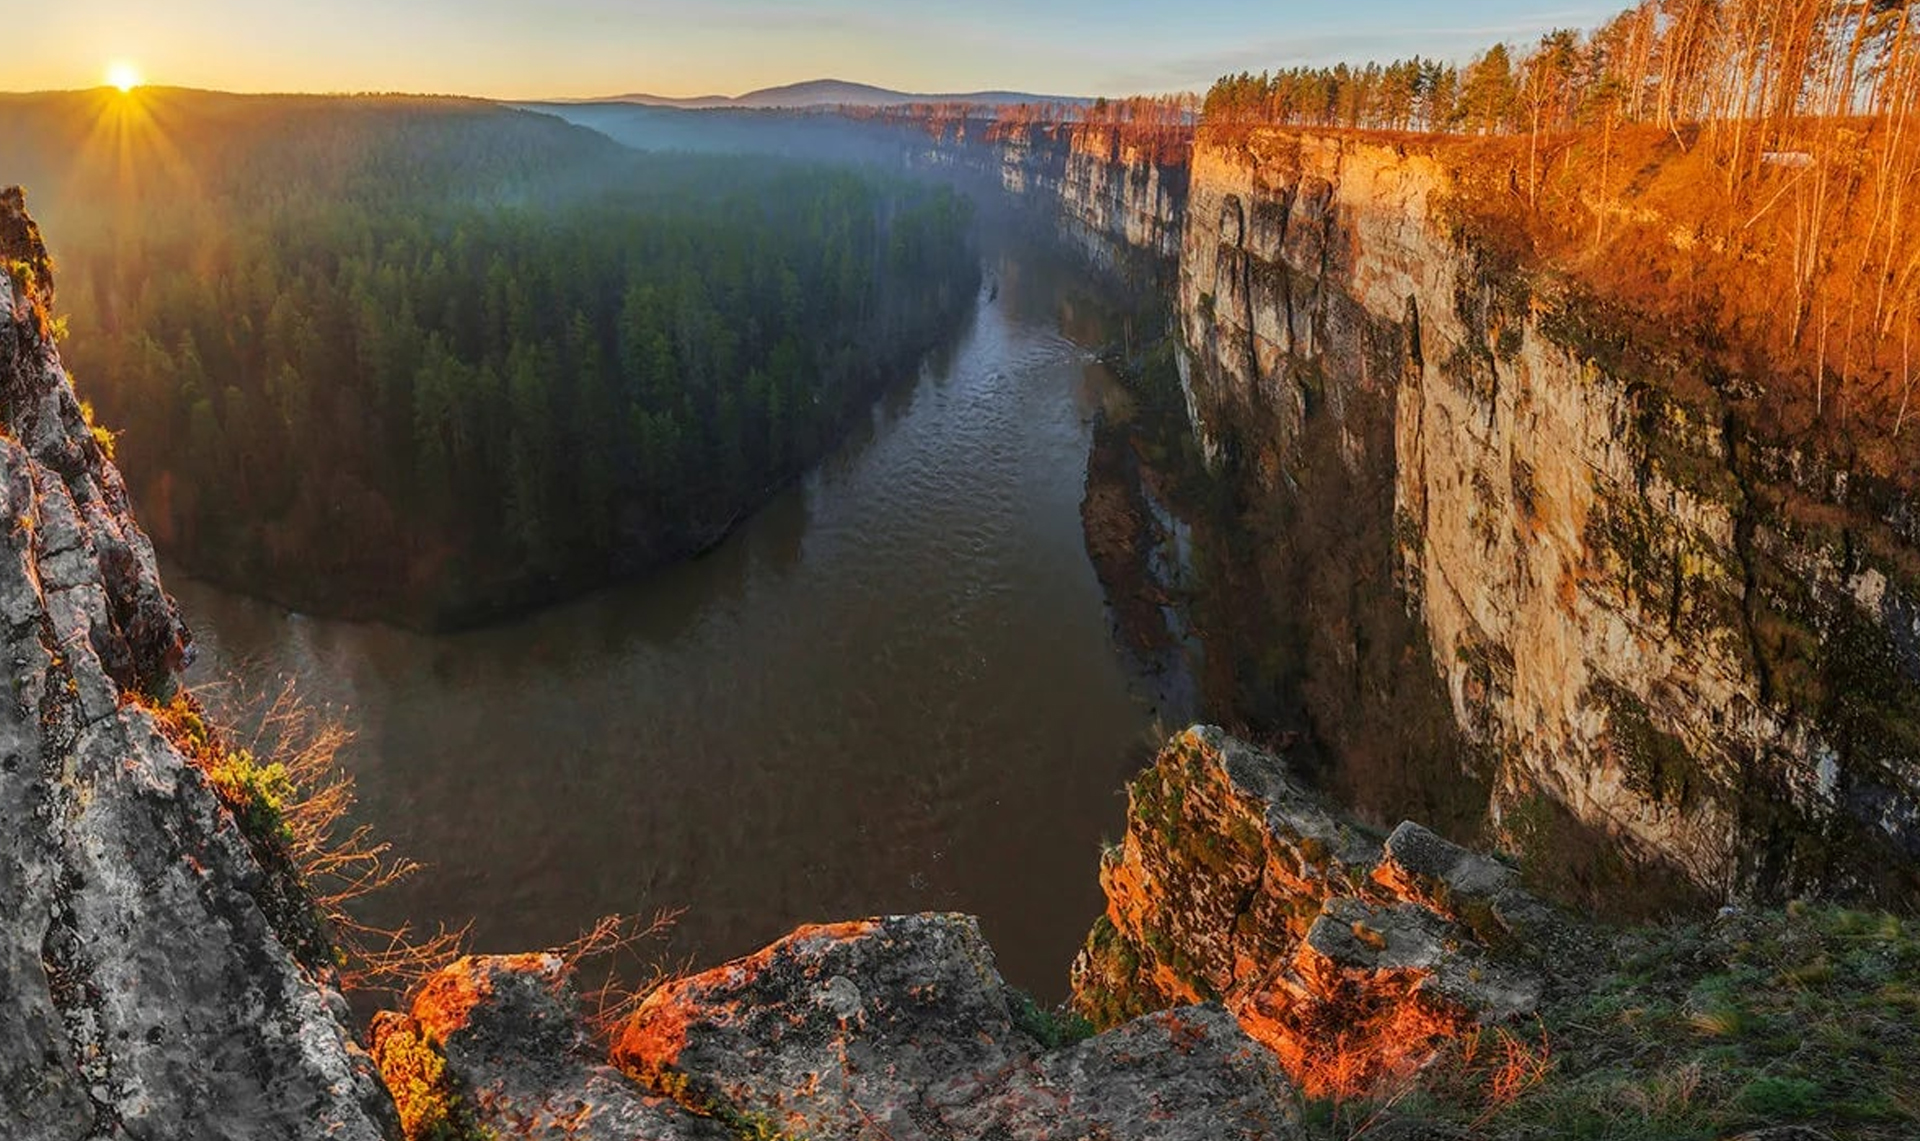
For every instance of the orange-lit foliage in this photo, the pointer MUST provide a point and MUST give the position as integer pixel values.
(1723, 276)
(606, 964)
(1743, 170)
(1490, 1068)
(1160, 127)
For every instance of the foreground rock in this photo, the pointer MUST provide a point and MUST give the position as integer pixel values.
(902, 1028)
(498, 1044)
(144, 992)
(896, 1028)
(1349, 956)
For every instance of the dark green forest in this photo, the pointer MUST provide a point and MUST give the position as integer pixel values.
(429, 360)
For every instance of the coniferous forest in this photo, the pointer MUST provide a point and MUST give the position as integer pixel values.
(428, 360)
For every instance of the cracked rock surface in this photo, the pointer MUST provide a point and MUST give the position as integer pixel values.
(902, 1028)
(143, 992)
(1351, 956)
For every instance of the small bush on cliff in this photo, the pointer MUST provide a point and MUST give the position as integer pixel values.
(102, 436)
(291, 799)
(257, 793)
(430, 1104)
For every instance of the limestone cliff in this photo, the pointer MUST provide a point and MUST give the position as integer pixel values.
(1118, 191)
(1119, 201)
(144, 990)
(1703, 644)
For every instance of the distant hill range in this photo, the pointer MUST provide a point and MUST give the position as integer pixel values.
(827, 93)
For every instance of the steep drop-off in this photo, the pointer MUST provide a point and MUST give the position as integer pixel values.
(1702, 644)
(150, 985)
(164, 974)
(1120, 202)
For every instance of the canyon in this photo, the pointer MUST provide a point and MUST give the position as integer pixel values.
(1651, 621)
(1641, 618)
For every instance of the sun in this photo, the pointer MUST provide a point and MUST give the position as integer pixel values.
(123, 75)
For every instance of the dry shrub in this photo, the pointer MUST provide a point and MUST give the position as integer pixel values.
(292, 796)
(1496, 1066)
(298, 801)
(609, 969)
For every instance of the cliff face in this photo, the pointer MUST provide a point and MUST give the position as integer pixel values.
(1117, 200)
(1703, 645)
(143, 990)
(1119, 191)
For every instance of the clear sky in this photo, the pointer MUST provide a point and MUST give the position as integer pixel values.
(533, 48)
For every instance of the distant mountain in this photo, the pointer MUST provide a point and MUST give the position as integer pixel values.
(693, 103)
(827, 93)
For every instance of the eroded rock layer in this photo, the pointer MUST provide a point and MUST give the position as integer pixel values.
(1705, 645)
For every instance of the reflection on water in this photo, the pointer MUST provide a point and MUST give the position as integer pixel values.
(893, 690)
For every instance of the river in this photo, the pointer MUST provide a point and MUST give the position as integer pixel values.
(893, 689)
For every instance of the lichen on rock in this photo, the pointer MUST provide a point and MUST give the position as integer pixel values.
(1351, 957)
(495, 1046)
(902, 1028)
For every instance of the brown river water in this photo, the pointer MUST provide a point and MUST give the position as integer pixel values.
(893, 689)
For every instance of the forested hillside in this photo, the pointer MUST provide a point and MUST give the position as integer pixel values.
(427, 359)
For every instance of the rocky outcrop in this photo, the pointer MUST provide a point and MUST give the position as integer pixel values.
(144, 993)
(902, 1028)
(895, 1028)
(1699, 642)
(1350, 956)
(496, 1046)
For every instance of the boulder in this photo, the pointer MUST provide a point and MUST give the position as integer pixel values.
(496, 1045)
(901, 1028)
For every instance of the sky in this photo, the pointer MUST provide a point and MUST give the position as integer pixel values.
(525, 49)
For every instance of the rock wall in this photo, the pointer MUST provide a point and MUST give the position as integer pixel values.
(1119, 193)
(1704, 646)
(1120, 202)
(144, 992)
